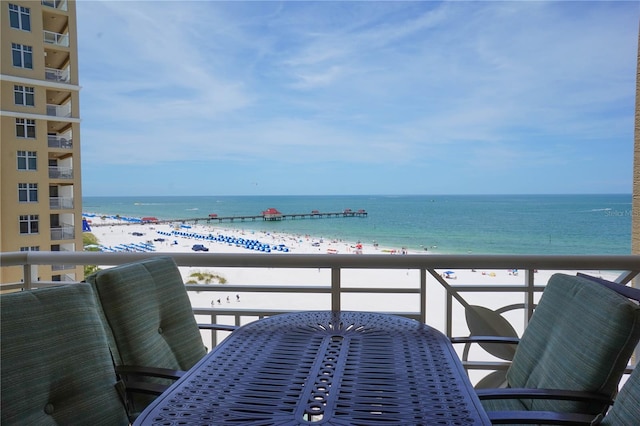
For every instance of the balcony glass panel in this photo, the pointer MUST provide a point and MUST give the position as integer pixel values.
(56, 4)
(56, 38)
(60, 76)
(67, 232)
(56, 172)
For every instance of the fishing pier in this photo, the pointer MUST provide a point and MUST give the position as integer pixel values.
(272, 214)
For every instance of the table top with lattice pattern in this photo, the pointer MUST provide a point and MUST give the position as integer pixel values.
(324, 368)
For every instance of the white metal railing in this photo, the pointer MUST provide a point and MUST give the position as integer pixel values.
(56, 4)
(427, 270)
(58, 172)
(61, 76)
(58, 203)
(427, 285)
(59, 110)
(56, 38)
(65, 232)
(64, 142)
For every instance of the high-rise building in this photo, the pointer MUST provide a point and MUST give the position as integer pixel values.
(41, 195)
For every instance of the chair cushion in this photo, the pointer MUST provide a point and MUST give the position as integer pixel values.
(149, 314)
(580, 337)
(56, 368)
(626, 408)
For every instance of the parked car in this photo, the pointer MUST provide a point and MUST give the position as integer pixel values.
(199, 247)
(137, 234)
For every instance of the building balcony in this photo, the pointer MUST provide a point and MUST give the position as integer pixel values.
(57, 39)
(59, 76)
(65, 232)
(414, 286)
(57, 172)
(56, 4)
(59, 110)
(60, 203)
(60, 142)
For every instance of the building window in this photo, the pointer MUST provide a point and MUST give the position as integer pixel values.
(24, 95)
(20, 17)
(25, 128)
(32, 248)
(22, 55)
(29, 224)
(28, 192)
(27, 160)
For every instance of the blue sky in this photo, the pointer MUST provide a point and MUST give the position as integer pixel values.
(420, 97)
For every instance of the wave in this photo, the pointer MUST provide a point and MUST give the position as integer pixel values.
(600, 210)
(195, 208)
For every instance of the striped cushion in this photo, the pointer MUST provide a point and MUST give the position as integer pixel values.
(626, 409)
(149, 314)
(580, 337)
(55, 363)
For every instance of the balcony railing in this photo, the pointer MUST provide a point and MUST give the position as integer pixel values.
(57, 172)
(59, 110)
(60, 142)
(60, 203)
(339, 290)
(60, 76)
(56, 38)
(56, 4)
(65, 232)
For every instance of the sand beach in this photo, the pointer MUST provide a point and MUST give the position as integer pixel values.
(117, 235)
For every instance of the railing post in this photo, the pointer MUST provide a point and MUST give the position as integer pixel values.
(448, 313)
(27, 276)
(529, 301)
(335, 289)
(423, 295)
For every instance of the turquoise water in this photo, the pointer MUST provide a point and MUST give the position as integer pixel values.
(479, 224)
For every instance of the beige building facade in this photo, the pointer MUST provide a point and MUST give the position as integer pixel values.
(41, 194)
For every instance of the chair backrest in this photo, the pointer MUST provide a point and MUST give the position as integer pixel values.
(55, 365)
(580, 337)
(149, 315)
(626, 408)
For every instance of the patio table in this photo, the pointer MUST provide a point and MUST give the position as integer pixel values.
(324, 368)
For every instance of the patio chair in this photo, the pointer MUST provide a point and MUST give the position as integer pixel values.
(580, 338)
(150, 324)
(55, 365)
(625, 410)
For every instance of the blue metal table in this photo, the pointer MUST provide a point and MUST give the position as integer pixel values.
(324, 368)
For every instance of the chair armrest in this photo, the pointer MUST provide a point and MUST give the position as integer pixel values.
(147, 388)
(539, 418)
(223, 327)
(555, 394)
(484, 339)
(136, 370)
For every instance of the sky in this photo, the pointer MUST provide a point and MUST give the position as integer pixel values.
(356, 97)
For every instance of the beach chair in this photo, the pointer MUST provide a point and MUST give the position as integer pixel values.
(625, 410)
(580, 338)
(55, 364)
(150, 324)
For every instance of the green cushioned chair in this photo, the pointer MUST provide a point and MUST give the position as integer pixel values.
(55, 364)
(150, 322)
(580, 338)
(625, 410)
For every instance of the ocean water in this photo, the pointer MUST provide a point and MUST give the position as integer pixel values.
(478, 224)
